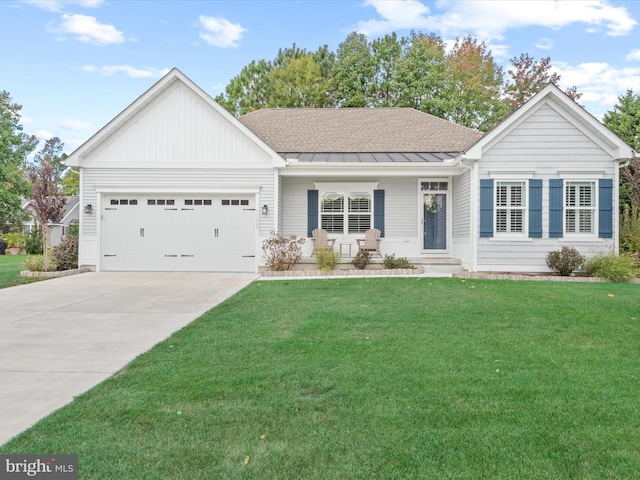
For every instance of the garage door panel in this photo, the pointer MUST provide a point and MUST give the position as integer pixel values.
(179, 233)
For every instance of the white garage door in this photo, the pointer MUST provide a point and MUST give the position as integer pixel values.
(164, 232)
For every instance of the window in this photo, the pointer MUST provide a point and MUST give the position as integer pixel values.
(580, 203)
(510, 207)
(353, 209)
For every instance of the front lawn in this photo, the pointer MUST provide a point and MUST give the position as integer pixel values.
(399, 378)
(10, 268)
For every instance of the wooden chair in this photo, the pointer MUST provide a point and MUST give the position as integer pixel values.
(321, 240)
(371, 242)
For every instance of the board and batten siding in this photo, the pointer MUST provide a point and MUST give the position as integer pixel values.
(546, 144)
(178, 127)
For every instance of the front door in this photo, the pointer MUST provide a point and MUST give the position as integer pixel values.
(435, 204)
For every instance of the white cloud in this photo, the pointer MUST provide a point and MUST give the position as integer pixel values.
(633, 55)
(88, 30)
(58, 5)
(489, 19)
(544, 44)
(220, 32)
(131, 72)
(73, 124)
(44, 135)
(26, 121)
(599, 82)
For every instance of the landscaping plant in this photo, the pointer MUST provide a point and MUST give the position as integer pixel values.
(565, 261)
(391, 262)
(327, 258)
(65, 255)
(35, 263)
(282, 252)
(33, 242)
(612, 267)
(361, 260)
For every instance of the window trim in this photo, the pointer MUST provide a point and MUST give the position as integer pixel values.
(594, 208)
(524, 208)
(345, 189)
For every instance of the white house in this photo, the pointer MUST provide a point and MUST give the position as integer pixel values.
(176, 183)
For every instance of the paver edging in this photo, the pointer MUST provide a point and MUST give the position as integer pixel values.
(56, 273)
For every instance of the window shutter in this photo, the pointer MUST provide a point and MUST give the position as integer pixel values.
(378, 211)
(312, 211)
(486, 208)
(555, 208)
(535, 208)
(605, 208)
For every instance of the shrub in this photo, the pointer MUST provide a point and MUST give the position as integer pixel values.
(390, 261)
(14, 240)
(36, 264)
(65, 255)
(361, 260)
(282, 252)
(33, 243)
(612, 267)
(327, 258)
(630, 229)
(565, 261)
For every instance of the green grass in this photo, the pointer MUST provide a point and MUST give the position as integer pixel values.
(10, 267)
(400, 378)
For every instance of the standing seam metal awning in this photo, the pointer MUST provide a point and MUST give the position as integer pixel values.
(372, 157)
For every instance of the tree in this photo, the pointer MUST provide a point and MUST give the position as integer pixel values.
(624, 121)
(70, 183)
(353, 71)
(248, 91)
(473, 86)
(298, 83)
(47, 201)
(385, 55)
(529, 77)
(14, 148)
(421, 74)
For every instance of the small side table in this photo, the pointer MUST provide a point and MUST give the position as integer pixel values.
(345, 248)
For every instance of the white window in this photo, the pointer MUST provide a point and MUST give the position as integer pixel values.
(350, 209)
(511, 207)
(580, 207)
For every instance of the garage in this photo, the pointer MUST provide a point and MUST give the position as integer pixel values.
(185, 232)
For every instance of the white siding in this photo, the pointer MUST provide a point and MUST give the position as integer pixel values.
(547, 144)
(178, 128)
(461, 246)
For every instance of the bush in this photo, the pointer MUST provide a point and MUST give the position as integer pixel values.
(390, 261)
(65, 255)
(630, 230)
(14, 240)
(565, 261)
(327, 258)
(361, 260)
(33, 243)
(282, 252)
(612, 267)
(36, 264)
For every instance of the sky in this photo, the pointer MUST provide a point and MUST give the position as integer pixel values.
(74, 65)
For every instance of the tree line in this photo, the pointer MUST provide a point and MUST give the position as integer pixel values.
(463, 85)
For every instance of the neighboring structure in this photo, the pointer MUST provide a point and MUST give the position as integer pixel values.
(176, 183)
(70, 215)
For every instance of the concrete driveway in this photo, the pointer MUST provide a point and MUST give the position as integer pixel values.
(59, 338)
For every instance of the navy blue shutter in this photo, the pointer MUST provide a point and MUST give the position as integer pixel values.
(535, 208)
(486, 208)
(378, 211)
(605, 208)
(555, 208)
(312, 211)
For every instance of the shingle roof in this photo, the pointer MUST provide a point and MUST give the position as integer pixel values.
(357, 130)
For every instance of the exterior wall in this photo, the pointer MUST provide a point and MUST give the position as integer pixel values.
(178, 128)
(172, 180)
(461, 246)
(403, 236)
(545, 146)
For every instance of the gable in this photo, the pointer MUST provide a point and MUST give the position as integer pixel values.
(174, 125)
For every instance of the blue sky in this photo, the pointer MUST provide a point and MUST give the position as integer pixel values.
(74, 65)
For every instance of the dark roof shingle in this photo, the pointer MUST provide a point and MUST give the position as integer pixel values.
(357, 130)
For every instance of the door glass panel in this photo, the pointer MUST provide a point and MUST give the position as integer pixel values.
(435, 221)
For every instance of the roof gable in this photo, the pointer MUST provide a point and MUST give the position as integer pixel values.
(174, 123)
(552, 97)
(361, 130)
